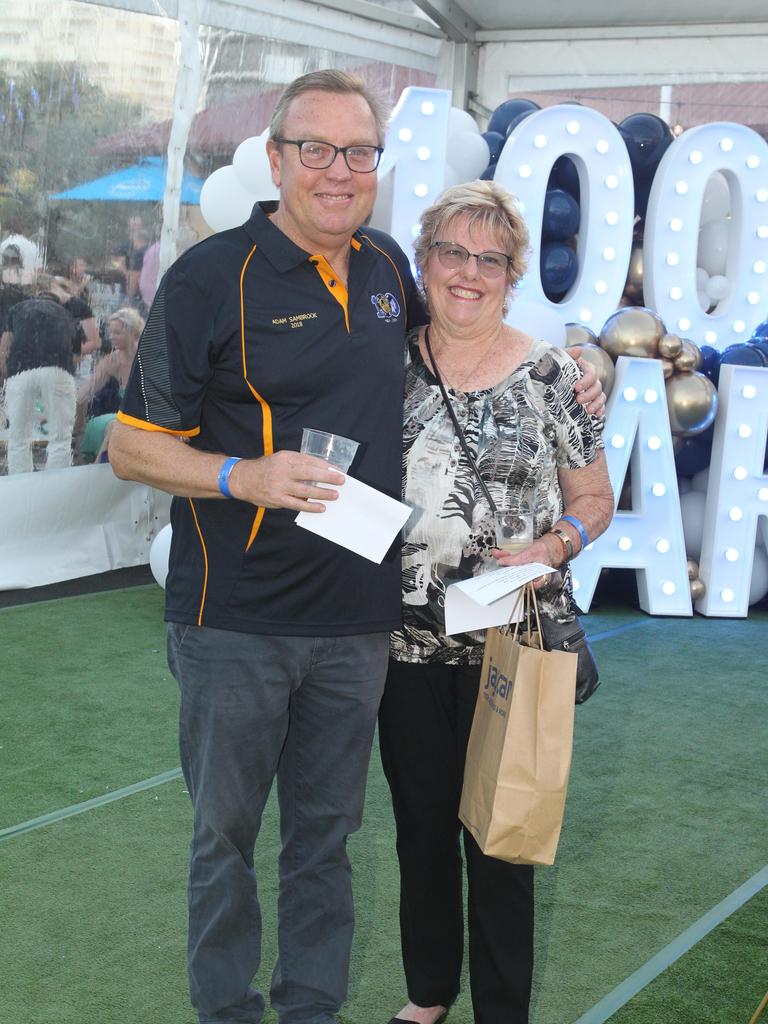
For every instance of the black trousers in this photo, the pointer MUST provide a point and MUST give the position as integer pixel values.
(424, 723)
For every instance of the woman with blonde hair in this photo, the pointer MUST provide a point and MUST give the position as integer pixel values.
(102, 393)
(490, 413)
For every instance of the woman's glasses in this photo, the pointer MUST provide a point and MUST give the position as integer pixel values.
(452, 256)
(319, 155)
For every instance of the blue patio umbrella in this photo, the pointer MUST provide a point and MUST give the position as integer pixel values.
(142, 182)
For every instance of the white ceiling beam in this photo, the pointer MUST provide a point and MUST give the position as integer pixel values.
(686, 30)
(406, 41)
(451, 18)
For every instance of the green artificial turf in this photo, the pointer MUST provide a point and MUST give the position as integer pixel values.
(664, 819)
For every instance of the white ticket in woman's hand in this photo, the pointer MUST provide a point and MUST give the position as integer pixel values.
(362, 519)
(490, 599)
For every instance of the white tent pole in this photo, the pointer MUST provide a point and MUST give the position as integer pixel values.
(665, 103)
(184, 107)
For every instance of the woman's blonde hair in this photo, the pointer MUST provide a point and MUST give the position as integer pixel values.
(483, 204)
(130, 318)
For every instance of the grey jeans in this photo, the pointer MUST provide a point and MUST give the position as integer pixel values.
(253, 707)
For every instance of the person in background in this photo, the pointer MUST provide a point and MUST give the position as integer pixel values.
(514, 402)
(103, 391)
(39, 347)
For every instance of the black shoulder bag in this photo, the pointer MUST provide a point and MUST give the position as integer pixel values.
(556, 636)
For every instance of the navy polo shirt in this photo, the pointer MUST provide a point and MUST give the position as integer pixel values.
(250, 339)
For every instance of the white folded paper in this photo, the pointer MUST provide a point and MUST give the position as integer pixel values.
(490, 599)
(362, 519)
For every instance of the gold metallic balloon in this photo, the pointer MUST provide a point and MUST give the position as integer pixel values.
(578, 334)
(633, 289)
(685, 362)
(633, 331)
(695, 351)
(602, 363)
(670, 346)
(668, 367)
(693, 569)
(698, 589)
(692, 403)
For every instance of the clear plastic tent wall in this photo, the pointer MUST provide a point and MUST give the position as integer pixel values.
(92, 98)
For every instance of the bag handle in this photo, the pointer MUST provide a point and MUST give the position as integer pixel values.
(528, 596)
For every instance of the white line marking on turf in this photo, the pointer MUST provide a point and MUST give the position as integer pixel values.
(88, 805)
(629, 988)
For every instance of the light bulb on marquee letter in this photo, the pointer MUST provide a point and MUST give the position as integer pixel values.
(607, 204)
(672, 228)
(650, 537)
(415, 153)
(737, 492)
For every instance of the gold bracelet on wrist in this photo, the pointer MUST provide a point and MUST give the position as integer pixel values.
(565, 540)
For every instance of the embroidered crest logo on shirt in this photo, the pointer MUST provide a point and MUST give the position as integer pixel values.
(386, 305)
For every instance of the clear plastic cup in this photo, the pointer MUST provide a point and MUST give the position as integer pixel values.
(339, 451)
(514, 529)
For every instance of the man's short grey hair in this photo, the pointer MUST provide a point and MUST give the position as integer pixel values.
(481, 203)
(332, 81)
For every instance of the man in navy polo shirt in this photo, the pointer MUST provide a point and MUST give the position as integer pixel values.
(278, 638)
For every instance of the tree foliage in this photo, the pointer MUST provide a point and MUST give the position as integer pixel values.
(50, 118)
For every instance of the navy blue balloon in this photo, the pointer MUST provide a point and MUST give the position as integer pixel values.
(761, 331)
(559, 267)
(488, 173)
(565, 176)
(642, 194)
(647, 137)
(743, 354)
(762, 345)
(495, 142)
(516, 120)
(561, 217)
(710, 361)
(695, 453)
(507, 111)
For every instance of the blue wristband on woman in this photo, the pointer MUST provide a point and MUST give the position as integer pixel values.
(224, 474)
(577, 525)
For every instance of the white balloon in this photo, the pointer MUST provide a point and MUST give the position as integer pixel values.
(683, 485)
(452, 176)
(252, 168)
(718, 287)
(468, 154)
(758, 588)
(713, 246)
(702, 279)
(460, 121)
(159, 553)
(224, 203)
(692, 507)
(704, 300)
(700, 481)
(537, 320)
(717, 199)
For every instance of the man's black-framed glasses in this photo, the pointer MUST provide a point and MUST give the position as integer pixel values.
(319, 155)
(453, 256)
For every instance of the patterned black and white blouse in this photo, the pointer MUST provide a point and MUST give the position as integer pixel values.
(520, 432)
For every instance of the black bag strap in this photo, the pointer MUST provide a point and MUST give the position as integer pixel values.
(456, 424)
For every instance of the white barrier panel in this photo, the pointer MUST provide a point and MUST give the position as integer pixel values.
(63, 524)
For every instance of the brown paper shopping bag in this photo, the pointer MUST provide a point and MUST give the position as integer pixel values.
(519, 752)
